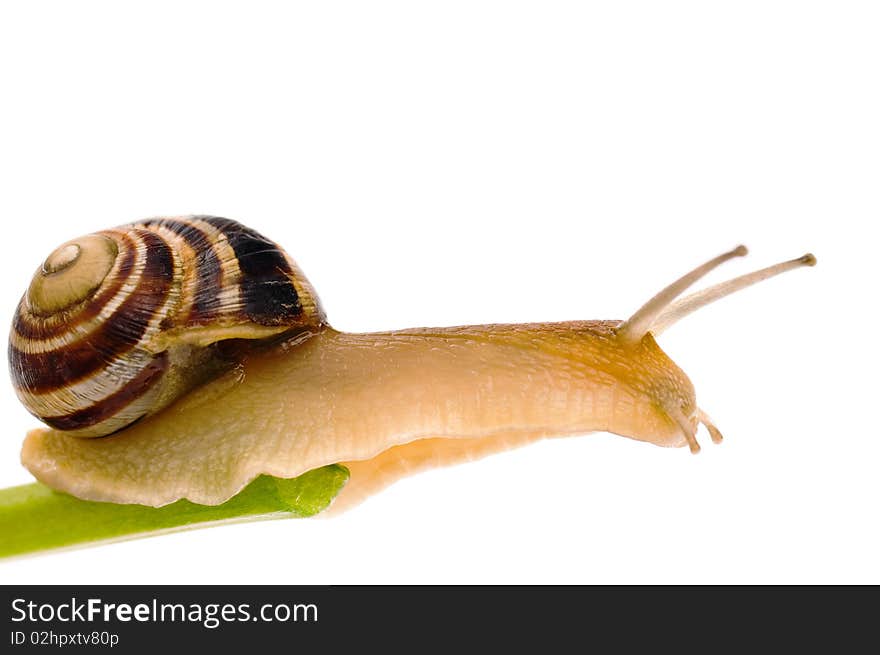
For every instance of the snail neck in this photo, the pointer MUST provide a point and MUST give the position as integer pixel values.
(470, 382)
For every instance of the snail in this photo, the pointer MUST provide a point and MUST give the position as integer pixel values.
(182, 357)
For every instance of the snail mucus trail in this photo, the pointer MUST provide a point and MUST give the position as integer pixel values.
(199, 352)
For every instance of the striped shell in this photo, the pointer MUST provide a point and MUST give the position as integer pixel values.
(117, 324)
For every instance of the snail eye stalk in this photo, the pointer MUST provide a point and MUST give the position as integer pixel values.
(663, 310)
(689, 304)
(631, 331)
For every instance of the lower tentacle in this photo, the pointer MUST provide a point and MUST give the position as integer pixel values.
(706, 420)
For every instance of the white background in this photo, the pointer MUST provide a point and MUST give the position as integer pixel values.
(466, 162)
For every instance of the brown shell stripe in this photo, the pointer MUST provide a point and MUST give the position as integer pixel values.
(209, 267)
(112, 405)
(41, 372)
(268, 294)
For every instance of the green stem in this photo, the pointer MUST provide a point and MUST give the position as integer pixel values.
(34, 518)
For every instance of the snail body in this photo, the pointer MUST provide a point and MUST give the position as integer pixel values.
(302, 395)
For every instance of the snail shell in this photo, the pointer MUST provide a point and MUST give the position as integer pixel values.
(117, 324)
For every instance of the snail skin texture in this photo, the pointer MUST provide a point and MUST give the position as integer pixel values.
(198, 352)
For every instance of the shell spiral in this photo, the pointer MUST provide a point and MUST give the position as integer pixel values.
(115, 325)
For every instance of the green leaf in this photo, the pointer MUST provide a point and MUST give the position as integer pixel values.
(33, 517)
